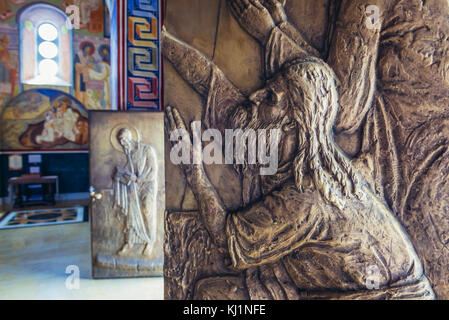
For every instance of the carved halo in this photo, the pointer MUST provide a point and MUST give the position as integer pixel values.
(114, 141)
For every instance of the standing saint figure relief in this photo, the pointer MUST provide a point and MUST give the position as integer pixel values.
(135, 190)
(315, 228)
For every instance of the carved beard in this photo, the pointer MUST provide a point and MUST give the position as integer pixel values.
(256, 124)
(128, 148)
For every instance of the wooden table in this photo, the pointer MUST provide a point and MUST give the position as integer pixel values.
(20, 189)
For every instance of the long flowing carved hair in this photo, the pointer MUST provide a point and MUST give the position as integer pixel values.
(313, 99)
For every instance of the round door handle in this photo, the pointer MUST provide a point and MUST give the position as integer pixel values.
(93, 194)
(97, 196)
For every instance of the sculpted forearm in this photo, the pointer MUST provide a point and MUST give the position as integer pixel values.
(210, 205)
(294, 34)
(353, 57)
(191, 64)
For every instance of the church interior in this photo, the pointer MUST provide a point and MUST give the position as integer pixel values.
(116, 181)
(60, 60)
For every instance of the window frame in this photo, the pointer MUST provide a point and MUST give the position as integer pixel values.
(59, 20)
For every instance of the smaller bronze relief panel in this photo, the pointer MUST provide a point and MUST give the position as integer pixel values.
(127, 193)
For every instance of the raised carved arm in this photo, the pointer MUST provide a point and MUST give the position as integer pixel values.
(191, 64)
(276, 9)
(210, 205)
(253, 17)
(205, 78)
(353, 57)
(265, 20)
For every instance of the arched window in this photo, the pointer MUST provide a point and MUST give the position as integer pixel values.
(45, 47)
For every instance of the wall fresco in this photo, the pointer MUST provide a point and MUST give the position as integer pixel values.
(44, 119)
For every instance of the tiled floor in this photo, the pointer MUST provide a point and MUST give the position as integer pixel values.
(7, 207)
(33, 264)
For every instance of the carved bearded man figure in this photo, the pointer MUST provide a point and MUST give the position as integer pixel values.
(315, 229)
(135, 189)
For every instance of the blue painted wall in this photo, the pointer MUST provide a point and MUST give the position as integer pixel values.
(71, 168)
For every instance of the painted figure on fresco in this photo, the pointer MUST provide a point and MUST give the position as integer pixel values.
(6, 12)
(84, 61)
(8, 66)
(62, 124)
(44, 119)
(135, 189)
(90, 74)
(102, 72)
(315, 229)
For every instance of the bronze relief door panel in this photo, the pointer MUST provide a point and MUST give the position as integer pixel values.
(127, 193)
(356, 207)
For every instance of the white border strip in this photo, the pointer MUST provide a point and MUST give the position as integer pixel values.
(11, 215)
(43, 152)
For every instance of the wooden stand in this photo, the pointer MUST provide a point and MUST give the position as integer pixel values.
(21, 190)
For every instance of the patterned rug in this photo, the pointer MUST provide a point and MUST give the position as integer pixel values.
(42, 217)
